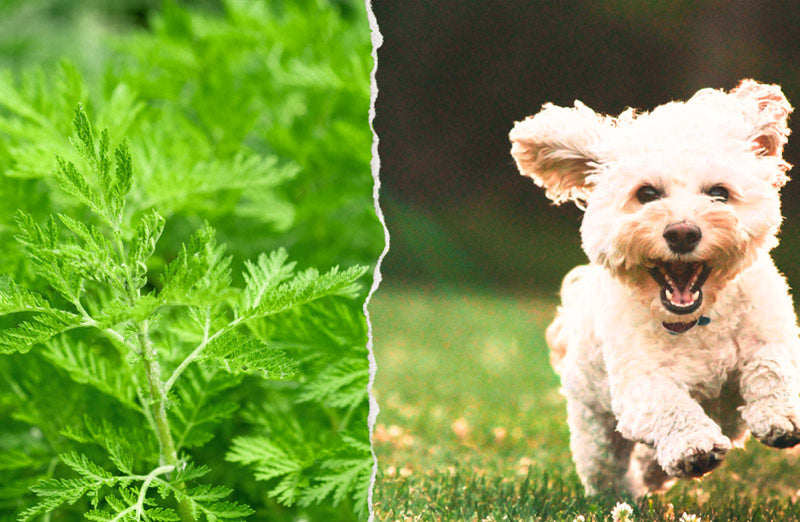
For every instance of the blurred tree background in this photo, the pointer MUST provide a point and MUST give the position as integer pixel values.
(454, 76)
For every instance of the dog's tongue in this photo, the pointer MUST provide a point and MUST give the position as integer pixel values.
(681, 275)
(682, 296)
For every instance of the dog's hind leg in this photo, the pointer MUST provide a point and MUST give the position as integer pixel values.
(600, 453)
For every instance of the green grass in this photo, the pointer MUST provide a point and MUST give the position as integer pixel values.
(472, 426)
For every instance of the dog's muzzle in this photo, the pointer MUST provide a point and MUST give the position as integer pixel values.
(681, 284)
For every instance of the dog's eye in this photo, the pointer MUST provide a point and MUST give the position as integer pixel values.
(648, 193)
(719, 193)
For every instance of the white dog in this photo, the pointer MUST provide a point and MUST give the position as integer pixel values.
(680, 335)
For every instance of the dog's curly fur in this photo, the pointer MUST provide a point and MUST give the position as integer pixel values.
(654, 393)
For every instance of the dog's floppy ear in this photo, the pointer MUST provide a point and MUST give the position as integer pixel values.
(770, 128)
(554, 147)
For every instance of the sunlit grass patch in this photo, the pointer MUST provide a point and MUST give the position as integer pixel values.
(472, 426)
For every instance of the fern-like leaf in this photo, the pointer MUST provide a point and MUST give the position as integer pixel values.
(271, 460)
(87, 366)
(53, 493)
(263, 277)
(40, 328)
(339, 385)
(39, 246)
(94, 253)
(144, 244)
(14, 298)
(207, 501)
(200, 408)
(86, 468)
(305, 287)
(200, 273)
(237, 353)
(344, 472)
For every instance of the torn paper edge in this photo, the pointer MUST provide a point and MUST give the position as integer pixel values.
(375, 164)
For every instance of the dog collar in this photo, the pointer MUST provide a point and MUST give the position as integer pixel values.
(679, 328)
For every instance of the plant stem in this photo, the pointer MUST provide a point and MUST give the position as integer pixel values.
(158, 402)
(138, 508)
(158, 392)
(197, 351)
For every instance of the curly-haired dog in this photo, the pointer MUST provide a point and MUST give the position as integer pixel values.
(680, 335)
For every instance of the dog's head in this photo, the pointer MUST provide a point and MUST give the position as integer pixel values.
(677, 201)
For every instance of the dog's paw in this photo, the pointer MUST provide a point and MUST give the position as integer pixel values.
(777, 426)
(697, 463)
(778, 437)
(692, 458)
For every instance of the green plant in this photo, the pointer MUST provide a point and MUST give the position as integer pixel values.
(151, 365)
(129, 314)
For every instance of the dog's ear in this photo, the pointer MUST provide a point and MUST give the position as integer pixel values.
(770, 126)
(554, 147)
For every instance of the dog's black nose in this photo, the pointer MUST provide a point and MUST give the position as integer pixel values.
(682, 237)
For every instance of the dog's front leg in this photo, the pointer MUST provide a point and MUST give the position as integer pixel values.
(771, 391)
(652, 408)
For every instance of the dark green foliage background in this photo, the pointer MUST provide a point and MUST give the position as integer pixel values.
(204, 94)
(454, 76)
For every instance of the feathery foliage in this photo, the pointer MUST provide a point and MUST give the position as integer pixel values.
(160, 348)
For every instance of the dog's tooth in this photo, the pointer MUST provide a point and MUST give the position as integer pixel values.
(669, 294)
(696, 295)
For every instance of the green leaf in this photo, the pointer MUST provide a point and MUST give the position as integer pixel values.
(339, 385)
(200, 274)
(190, 472)
(104, 164)
(118, 311)
(123, 169)
(343, 477)
(86, 365)
(14, 459)
(307, 286)
(94, 258)
(264, 277)
(345, 471)
(86, 468)
(255, 175)
(271, 460)
(160, 514)
(207, 500)
(147, 234)
(124, 445)
(53, 493)
(42, 327)
(269, 457)
(236, 353)
(75, 184)
(32, 235)
(39, 245)
(109, 201)
(201, 405)
(14, 298)
(13, 100)
(83, 129)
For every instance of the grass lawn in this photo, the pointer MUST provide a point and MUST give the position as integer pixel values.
(472, 426)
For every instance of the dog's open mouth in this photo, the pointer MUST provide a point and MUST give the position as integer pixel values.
(681, 284)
